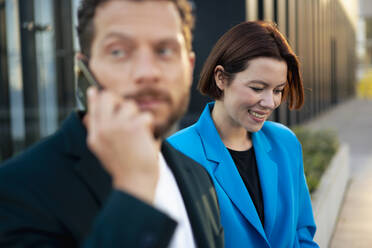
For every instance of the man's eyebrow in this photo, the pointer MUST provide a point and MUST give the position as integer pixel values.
(174, 43)
(169, 41)
(115, 35)
(266, 84)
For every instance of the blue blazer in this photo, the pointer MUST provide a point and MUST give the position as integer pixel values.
(288, 213)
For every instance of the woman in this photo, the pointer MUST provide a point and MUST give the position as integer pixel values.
(256, 164)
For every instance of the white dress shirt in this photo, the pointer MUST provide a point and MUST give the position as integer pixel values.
(168, 199)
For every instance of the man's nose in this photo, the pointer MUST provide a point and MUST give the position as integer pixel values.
(146, 68)
(267, 100)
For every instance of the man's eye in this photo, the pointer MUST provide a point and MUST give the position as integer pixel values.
(117, 53)
(165, 52)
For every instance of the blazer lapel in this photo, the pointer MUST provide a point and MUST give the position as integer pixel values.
(95, 177)
(87, 166)
(268, 172)
(188, 184)
(226, 172)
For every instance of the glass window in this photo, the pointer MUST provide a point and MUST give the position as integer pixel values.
(46, 66)
(15, 72)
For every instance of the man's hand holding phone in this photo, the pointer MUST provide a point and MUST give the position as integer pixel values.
(121, 136)
(85, 79)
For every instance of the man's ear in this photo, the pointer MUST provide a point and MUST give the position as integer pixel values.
(219, 77)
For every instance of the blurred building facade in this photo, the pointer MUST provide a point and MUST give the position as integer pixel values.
(366, 36)
(38, 42)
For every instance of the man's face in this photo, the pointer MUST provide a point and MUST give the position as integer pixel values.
(139, 52)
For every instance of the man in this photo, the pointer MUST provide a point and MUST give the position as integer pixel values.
(105, 179)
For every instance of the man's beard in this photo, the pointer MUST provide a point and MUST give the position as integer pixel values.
(177, 110)
(176, 113)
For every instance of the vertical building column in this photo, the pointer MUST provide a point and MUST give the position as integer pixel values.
(334, 60)
(30, 86)
(313, 57)
(327, 45)
(64, 58)
(302, 52)
(292, 38)
(309, 39)
(6, 145)
(268, 10)
(281, 15)
(251, 8)
(322, 55)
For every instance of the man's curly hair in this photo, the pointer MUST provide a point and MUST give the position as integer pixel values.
(88, 8)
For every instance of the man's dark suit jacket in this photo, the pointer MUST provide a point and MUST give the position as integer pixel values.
(56, 194)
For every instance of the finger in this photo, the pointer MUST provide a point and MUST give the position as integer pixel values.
(91, 116)
(127, 111)
(92, 109)
(147, 119)
(144, 120)
(107, 104)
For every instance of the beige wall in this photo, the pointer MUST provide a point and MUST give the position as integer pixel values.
(352, 10)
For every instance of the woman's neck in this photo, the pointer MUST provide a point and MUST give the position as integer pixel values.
(233, 135)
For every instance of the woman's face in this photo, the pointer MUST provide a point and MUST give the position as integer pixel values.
(254, 93)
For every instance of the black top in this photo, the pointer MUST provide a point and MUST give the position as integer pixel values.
(245, 161)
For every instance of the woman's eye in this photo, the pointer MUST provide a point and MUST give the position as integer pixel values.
(278, 91)
(257, 89)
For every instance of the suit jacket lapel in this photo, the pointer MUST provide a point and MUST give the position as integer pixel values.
(226, 172)
(268, 172)
(87, 167)
(181, 167)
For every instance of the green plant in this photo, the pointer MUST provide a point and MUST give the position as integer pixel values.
(318, 149)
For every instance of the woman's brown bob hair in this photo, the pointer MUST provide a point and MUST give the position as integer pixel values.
(247, 41)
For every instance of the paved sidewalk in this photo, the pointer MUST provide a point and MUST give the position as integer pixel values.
(353, 122)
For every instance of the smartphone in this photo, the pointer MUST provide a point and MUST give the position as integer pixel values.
(85, 79)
